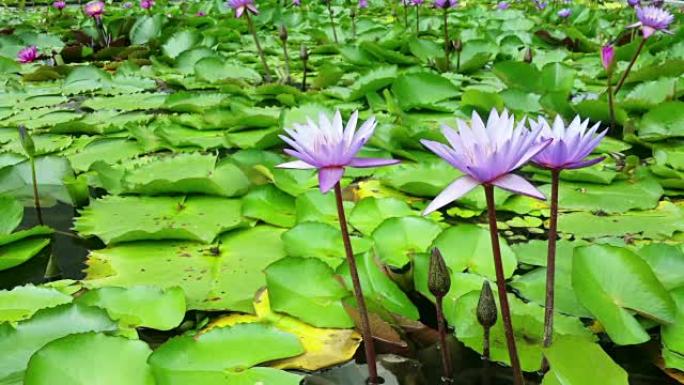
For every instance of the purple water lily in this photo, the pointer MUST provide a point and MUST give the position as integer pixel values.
(94, 9)
(564, 13)
(330, 147)
(487, 154)
(445, 3)
(541, 5)
(59, 4)
(607, 56)
(652, 19)
(569, 145)
(297, 2)
(633, 3)
(241, 5)
(28, 54)
(503, 5)
(417, 3)
(363, 4)
(146, 4)
(127, 5)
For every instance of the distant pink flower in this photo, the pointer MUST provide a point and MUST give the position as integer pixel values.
(146, 4)
(417, 3)
(633, 3)
(652, 19)
(446, 3)
(363, 4)
(330, 147)
(241, 5)
(94, 9)
(564, 13)
(127, 5)
(200, 14)
(503, 5)
(607, 56)
(297, 2)
(28, 54)
(59, 4)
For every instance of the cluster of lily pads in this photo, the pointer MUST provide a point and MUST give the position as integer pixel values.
(215, 257)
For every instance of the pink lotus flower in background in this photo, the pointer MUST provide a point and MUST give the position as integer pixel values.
(297, 2)
(652, 19)
(200, 13)
(363, 4)
(241, 5)
(487, 154)
(607, 56)
(28, 54)
(146, 4)
(417, 3)
(503, 5)
(59, 4)
(330, 147)
(445, 3)
(570, 145)
(564, 13)
(94, 9)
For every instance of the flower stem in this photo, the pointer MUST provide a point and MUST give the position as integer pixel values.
(611, 103)
(551, 262)
(444, 348)
(287, 63)
(417, 20)
(446, 38)
(358, 293)
(250, 25)
(501, 285)
(629, 67)
(405, 13)
(36, 198)
(332, 20)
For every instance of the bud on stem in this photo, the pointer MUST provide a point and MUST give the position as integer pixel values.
(439, 281)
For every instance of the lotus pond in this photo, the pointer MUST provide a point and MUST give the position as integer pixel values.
(184, 200)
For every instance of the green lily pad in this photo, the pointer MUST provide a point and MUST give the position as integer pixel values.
(613, 283)
(47, 325)
(271, 205)
(397, 239)
(221, 276)
(226, 355)
(11, 214)
(22, 302)
(673, 334)
(370, 212)
(320, 240)
(120, 219)
(409, 89)
(313, 206)
(468, 248)
(119, 360)
(139, 306)
(667, 262)
(575, 361)
(306, 288)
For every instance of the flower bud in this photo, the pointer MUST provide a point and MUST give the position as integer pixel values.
(282, 32)
(528, 55)
(26, 141)
(607, 56)
(486, 307)
(303, 53)
(457, 45)
(439, 280)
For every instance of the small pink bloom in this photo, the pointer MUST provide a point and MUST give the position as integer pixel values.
(241, 5)
(146, 4)
(28, 54)
(607, 56)
(59, 4)
(94, 9)
(363, 3)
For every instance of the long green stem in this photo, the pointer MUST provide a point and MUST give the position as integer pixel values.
(551, 262)
(417, 19)
(501, 285)
(446, 37)
(629, 67)
(444, 348)
(250, 25)
(405, 13)
(358, 292)
(287, 63)
(611, 102)
(36, 197)
(332, 20)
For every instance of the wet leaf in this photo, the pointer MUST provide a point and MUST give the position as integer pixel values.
(398, 239)
(22, 302)
(575, 361)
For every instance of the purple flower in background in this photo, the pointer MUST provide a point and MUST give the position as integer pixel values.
(446, 3)
(633, 3)
(200, 14)
(363, 4)
(330, 147)
(607, 56)
(59, 4)
(94, 9)
(417, 3)
(241, 5)
(487, 154)
(146, 4)
(503, 5)
(297, 2)
(28, 54)
(540, 4)
(569, 145)
(127, 5)
(652, 19)
(564, 13)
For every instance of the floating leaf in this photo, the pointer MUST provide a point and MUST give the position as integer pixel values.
(22, 302)
(397, 239)
(575, 361)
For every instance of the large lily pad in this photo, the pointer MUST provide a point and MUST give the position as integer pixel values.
(226, 356)
(119, 219)
(71, 360)
(221, 276)
(613, 283)
(22, 302)
(397, 239)
(575, 361)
